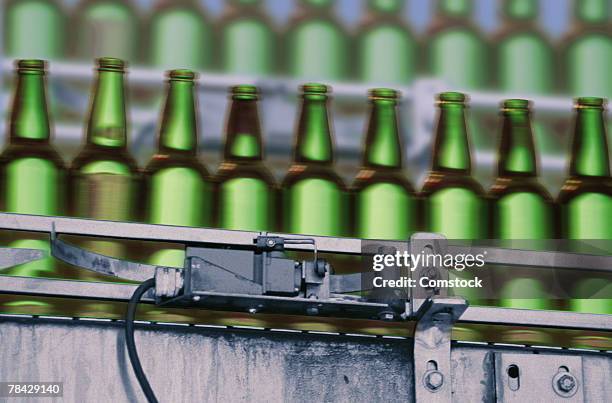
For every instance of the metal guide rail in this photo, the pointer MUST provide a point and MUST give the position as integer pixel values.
(249, 272)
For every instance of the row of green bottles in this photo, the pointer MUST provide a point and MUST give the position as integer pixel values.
(104, 179)
(179, 33)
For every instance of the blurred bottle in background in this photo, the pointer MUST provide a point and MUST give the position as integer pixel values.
(385, 204)
(522, 210)
(586, 207)
(33, 176)
(34, 29)
(245, 187)
(526, 64)
(104, 176)
(454, 202)
(458, 54)
(314, 198)
(180, 36)
(248, 41)
(106, 28)
(386, 48)
(316, 45)
(587, 55)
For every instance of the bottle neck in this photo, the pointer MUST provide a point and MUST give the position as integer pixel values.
(29, 116)
(107, 124)
(383, 146)
(179, 132)
(314, 143)
(516, 151)
(590, 147)
(455, 8)
(592, 11)
(521, 10)
(451, 150)
(243, 135)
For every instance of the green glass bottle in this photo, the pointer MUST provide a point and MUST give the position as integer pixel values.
(457, 53)
(588, 50)
(34, 28)
(385, 204)
(106, 27)
(248, 42)
(454, 204)
(314, 197)
(521, 210)
(387, 49)
(245, 187)
(33, 175)
(104, 177)
(314, 24)
(526, 63)
(586, 201)
(179, 191)
(180, 35)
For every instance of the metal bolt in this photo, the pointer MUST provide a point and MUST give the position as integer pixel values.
(386, 316)
(566, 383)
(196, 298)
(271, 242)
(434, 380)
(252, 310)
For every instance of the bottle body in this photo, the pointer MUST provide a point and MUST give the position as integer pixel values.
(522, 217)
(40, 19)
(104, 178)
(586, 203)
(387, 49)
(248, 41)
(180, 37)
(314, 196)
(384, 201)
(106, 27)
(33, 177)
(328, 59)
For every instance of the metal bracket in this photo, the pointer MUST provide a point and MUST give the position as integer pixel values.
(432, 347)
(550, 378)
(427, 244)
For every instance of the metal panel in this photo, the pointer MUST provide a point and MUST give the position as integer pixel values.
(193, 364)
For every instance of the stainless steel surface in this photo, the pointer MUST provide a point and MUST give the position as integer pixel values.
(196, 364)
(521, 378)
(168, 233)
(99, 263)
(473, 314)
(10, 257)
(188, 364)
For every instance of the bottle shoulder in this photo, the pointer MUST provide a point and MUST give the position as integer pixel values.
(441, 26)
(45, 151)
(91, 154)
(161, 161)
(514, 32)
(303, 171)
(577, 186)
(505, 185)
(229, 170)
(440, 180)
(371, 176)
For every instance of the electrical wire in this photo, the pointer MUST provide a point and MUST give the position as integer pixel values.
(129, 339)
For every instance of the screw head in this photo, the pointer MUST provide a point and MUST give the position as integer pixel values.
(196, 298)
(271, 242)
(566, 383)
(252, 310)
(434, 380)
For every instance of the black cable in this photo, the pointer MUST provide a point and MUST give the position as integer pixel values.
(129, 339)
